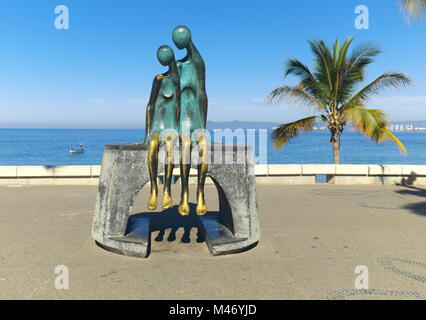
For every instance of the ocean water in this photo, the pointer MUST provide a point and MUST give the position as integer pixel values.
(49, 147)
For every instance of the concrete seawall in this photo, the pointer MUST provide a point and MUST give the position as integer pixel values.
(283, 174)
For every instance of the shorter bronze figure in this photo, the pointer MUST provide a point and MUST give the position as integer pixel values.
(162, 119)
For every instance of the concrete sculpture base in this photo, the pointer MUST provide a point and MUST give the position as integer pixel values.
(124, 173)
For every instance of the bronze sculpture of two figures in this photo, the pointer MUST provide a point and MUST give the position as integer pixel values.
(177, 111)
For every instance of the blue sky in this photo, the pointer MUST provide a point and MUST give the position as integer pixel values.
(99, 73)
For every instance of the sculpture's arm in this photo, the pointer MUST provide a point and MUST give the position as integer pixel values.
(150, 108)
(178, 109)
(201, 70)
(204, 105)
(178, 68)
(147, 122)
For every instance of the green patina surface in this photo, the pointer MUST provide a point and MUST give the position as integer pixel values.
(192, 83)
(178, 97)
(164, 107)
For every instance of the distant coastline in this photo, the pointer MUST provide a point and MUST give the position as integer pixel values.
(406, 125)
(135, 126)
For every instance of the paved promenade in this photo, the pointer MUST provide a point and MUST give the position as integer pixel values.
(313, 237)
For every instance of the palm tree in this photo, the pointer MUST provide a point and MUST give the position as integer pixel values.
(414, 9)
(329, 92)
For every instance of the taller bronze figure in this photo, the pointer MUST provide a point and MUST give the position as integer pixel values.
(193, 116)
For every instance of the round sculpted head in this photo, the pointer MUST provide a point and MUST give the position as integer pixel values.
(165, 55)
(181, 37)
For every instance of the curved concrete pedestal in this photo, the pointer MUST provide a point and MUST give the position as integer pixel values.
(124, 173)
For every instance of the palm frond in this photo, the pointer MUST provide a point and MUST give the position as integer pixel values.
(392, 137)
(392, 79)
(357, 62)
(323, 64)
(362, 56)
(414, 9)
(353, 70)
(284, 132)
(367, 121)
(295, 95)
(340, 69)
(343, 51)
(297, 68)
(373, 123)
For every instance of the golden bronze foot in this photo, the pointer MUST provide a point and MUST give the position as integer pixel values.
(201, 206)
(184, 209)
(152, 203)
(167, 201)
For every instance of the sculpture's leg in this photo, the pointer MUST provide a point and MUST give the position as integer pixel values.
(202, 173)
(185, 166)
(167, 194)
(153, 147)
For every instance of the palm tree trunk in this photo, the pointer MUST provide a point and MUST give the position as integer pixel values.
(336, 151)
(335, 140)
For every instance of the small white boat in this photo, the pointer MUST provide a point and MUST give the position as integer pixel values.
(78, 150)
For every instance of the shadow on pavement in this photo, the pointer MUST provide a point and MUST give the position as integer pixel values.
(418, 208)
(171, 219)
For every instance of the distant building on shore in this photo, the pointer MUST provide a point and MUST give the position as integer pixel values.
(395, 127)
(404, 127)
